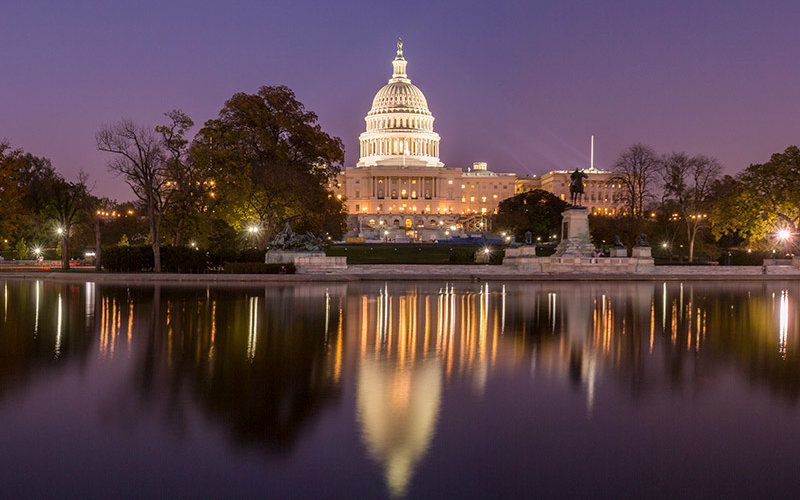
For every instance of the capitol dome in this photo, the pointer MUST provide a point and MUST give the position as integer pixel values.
(399, 126)
(399, 96)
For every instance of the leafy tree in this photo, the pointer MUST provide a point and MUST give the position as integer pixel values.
(66, 204)
(272, 162)
(21, 249)
(537, 211)
(191, 181)
(688, 189)
(11, 192)
(761, 199)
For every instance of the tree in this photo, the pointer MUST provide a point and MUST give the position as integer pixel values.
(688, 185)
(141, 158)
(21, 249)
(762, 199)
(637, 167)
(190, 181)
(537, 211)
(67, 203)
(272, 164)
(10, 189)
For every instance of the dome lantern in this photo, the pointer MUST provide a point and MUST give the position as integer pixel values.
(399, 64)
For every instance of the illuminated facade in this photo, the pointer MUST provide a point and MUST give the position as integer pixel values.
(601, 195)
(400, 188)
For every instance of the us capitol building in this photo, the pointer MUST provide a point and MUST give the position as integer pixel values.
(400, 190)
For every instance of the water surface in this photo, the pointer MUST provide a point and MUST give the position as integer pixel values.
(399, 390)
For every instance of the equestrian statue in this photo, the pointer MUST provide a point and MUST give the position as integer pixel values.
(576, 187)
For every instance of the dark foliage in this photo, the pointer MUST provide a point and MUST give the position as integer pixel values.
(134, 259)
(537, 211)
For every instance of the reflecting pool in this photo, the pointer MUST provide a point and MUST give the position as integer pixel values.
(373, 390)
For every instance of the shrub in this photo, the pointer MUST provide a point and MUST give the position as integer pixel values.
(258, 268)
(134, 259)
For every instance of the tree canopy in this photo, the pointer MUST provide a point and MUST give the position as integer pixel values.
(762, 199)
(273, 163)
(537, 211)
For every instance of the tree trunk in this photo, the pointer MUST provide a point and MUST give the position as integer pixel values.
(156, 249)
(691, 235)
(155, 236)
(65, 249)
(177, 240)
(98, 248)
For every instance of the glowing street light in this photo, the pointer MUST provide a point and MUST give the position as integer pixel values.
(784, 234)
(60, 231)
(252, 229)
(665, 244)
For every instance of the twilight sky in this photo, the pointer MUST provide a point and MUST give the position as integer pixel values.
(519, 84)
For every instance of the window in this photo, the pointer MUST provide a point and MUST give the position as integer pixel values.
(358, 194)
(357, 207)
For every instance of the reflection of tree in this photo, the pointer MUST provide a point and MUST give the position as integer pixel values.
(259, 367)
(42, 327)
(756, 327)
(654, 336)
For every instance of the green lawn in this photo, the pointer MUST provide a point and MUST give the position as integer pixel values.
(364, 253)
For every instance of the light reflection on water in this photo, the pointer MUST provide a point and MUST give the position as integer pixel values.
(269, 367)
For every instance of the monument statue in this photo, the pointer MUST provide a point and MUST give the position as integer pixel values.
(617, 242)
(291, 241)
(576, 187)
(642, 241)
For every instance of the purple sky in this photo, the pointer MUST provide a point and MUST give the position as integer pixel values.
(521, 85)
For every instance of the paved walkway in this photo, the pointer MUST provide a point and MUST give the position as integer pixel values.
(386, 272)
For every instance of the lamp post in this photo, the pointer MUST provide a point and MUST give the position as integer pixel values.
(785, 236)
(253, 231)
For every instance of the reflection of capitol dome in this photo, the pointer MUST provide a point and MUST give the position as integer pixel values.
(398, 410)
(399, 125)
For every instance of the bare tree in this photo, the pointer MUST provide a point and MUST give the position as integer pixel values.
(142, 161)
(636, 170)
(688, 184)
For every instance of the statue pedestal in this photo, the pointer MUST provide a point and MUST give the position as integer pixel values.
(641, 253)
(575, 234)
(288, 256)
(307, 262)
(619, 252)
